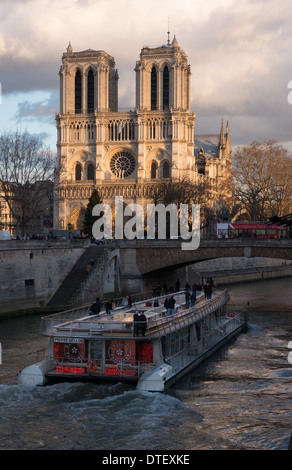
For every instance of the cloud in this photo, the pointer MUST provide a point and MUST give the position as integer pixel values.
(240, 54)
(37, 110)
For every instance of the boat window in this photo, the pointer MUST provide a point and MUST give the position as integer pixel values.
(176, 342)
(96, 350)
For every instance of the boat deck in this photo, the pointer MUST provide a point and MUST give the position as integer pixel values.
(119, 324)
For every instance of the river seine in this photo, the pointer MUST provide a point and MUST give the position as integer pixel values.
(240, 399)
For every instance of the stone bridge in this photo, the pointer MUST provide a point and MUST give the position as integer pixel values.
(133, 261)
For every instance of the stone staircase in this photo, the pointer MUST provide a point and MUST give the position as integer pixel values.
(63, 296)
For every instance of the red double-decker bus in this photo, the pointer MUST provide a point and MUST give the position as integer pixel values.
(251, 229)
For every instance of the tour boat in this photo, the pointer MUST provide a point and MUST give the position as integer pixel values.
(105, 346)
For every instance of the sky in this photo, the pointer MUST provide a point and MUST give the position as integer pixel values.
(239, 53)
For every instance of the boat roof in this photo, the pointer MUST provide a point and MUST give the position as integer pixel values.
(77, 323)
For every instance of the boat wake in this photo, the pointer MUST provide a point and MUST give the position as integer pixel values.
(89, 416)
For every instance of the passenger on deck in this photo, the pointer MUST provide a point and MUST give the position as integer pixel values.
(143, 323)
(125, 301)
(193, 298)
(136, 323)
(96, 307)
(187, 298)
(169, 305)
(208, 289)
(108, 307)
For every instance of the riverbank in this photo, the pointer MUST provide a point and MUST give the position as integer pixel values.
(221, 278)
(236, 276)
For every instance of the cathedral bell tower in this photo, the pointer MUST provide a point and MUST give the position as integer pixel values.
(163, 104)
(163, 79)
(88, 82)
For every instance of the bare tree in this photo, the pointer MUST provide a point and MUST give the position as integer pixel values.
(26, 170)
(262, 179)
(184, 191)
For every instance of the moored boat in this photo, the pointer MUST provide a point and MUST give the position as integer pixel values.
(152, 352)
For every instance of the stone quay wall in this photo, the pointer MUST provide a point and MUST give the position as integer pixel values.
(32, 270)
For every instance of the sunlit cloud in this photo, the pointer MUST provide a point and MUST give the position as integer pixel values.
(239, 52)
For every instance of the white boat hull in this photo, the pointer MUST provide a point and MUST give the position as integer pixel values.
(154, 379)
(35, 374)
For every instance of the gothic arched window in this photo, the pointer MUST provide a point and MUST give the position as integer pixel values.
(165, 170)
(78, 170)
(90, 92)
(153, 170)
(90, 172)
(78, 92)
(153, 88)
(165, 88)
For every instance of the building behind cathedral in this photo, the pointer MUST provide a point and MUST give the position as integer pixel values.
(128, 153)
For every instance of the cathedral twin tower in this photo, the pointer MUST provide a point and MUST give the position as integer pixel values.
(126, 153)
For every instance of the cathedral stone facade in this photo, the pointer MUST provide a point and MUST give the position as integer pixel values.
(128, 153)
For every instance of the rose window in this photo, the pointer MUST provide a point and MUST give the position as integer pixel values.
(122, 164)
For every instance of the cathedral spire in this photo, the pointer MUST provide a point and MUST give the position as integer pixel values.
(69, 48)
(174, 42)
(222, 136)
(228, 143)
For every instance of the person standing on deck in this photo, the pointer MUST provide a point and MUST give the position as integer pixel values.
(136, 323)
(169, 305)
(187, 298)
(193, 298)
(108, 307)
(142, 323)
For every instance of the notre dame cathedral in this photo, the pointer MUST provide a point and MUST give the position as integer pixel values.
(127, 153)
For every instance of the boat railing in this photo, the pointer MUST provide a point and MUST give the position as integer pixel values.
(96, 368)
(48, 322)
(185, 316)
(227, 326)
(78, 322)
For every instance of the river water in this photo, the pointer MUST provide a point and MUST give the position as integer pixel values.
(240, 399)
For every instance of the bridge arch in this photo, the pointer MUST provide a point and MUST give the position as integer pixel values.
(141, 259)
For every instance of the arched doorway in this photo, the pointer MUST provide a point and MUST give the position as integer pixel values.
(77, 218)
